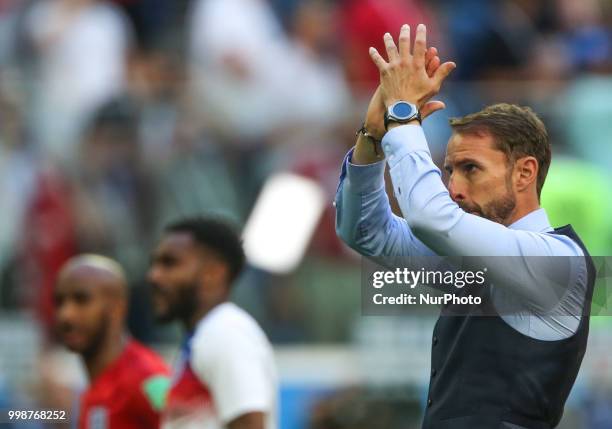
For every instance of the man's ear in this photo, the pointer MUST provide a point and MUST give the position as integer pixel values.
(525, 173)
(119, 309)
(214, 274)
(215, 270)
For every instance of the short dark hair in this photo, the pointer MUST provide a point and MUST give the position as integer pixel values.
(119, 114)
(517, 131)
(217, 235)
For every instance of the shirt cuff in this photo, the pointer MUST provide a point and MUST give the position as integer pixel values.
(364, 179)
(401, 141)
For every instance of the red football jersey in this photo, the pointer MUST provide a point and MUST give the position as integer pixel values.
(130, 393)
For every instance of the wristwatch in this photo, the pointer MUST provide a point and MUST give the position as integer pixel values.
(402, 112)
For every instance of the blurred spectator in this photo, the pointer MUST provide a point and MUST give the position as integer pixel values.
(154, 84)
(114, 199)
(490, 39)
(251, 78)
(48, 240)
(194, 180)
(80, 49)
(8, 13)
(285, 10)
(17, 176)
(322, 96)
(238, 57)
(251, 81)
(588, 40)
(152, 20)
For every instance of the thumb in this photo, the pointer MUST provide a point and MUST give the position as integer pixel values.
(444, 70)
(431, 107)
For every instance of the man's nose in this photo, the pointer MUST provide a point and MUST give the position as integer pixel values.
(152, 274)
(65, 313)
(456, 189)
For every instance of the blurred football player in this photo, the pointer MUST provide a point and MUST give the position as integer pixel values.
(128, 381)
(226, 377)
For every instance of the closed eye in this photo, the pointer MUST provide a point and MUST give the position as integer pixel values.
(469, 167)
(166, 260)
(465, 167)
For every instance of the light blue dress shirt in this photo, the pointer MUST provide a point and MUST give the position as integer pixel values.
(433, 224)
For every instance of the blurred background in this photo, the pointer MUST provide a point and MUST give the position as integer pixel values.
(118, 116)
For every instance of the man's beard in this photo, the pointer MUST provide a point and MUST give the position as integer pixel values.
(98, 338)
(184, 306)
(498, 210)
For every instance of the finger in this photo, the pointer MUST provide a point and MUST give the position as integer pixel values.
(443, 71)
(392, 53)
(420, 46)
(432, 52)
(404, 42)
(378, 59)
(431, 107)
(432, 66)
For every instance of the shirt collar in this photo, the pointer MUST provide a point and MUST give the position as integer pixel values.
(536, 221)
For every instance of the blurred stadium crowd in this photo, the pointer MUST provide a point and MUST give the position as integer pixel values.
(118, 116)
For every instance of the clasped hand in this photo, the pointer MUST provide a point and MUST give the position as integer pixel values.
(410, 74)
(404, 76)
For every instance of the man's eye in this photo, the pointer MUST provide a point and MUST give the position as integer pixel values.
(469, 168)
(81, 298)
(58, 300)
(167, 261)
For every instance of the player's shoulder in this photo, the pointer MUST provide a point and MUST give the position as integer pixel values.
(226, 317)
(228, 326)
(144, 361)
(229, 337)
(139, 377)
(149, 375)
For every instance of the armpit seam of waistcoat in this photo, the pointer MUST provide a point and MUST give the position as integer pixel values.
(577, 277)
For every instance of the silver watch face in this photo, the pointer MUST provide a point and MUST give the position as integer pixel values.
(402, 110)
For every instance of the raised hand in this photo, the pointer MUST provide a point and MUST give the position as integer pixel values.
(374, 118)
(407, 75)
(367, 151)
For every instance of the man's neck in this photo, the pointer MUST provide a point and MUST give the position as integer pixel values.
(107, 353)
(520, 213)
(191, 322)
